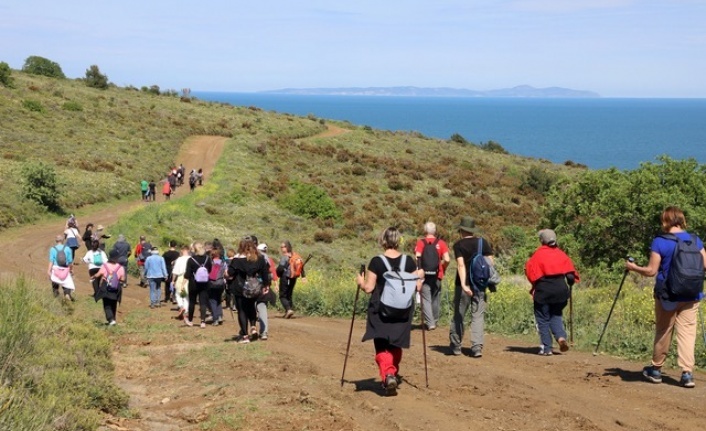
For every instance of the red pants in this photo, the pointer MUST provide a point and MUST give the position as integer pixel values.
(388, 358)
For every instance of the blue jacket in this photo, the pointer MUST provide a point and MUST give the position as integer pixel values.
(155, 267)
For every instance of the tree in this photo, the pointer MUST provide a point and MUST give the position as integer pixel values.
(609, 214)
(41, 66)
(40, 184)
(95, 79)
(5, 75)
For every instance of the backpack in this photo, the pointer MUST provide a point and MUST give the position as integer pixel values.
(686, 270)
(146, 251)
(397, 295)
(97, 258)
(201, 274)
(112, 282)
(252, 288)
(61, 259)
(296, 266)
(479, 269)
(217, 275)
(430, 258)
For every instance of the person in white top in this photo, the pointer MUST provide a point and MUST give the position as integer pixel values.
(181, 284)
(95, 258)
(73, 239)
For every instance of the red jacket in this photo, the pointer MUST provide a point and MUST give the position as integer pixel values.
(548, 261)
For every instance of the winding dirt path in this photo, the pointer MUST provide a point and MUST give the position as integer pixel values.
(297, 385)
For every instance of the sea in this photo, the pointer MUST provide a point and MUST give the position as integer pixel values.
(600, 133)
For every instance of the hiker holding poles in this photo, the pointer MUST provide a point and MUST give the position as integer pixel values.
(389, 327)
(552, 274)
(677, 258)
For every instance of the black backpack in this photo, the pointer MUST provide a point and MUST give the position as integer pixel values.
(430, 258)
(146, 251)
(686, 270)
(61, 259)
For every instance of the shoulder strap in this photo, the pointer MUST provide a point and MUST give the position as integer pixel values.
(480, 245)
(385, 261)
(669, 236)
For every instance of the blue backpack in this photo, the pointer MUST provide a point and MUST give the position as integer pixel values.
(686, 271)
(479, 269)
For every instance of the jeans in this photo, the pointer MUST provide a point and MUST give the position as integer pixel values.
(155, 290)
(549, 321)
(214, 301)
(431, 301)
(262, 316)
(461, 304)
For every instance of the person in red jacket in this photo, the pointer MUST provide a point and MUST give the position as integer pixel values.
(551, 273)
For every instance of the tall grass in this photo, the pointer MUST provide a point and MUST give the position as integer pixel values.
(56, 372)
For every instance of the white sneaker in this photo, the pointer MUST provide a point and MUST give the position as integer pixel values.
(112, 323)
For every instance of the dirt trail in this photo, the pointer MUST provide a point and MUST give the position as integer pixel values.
(509, 388)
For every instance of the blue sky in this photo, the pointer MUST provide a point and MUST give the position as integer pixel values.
(618, 48)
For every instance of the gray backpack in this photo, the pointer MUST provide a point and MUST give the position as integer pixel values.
(397, 296)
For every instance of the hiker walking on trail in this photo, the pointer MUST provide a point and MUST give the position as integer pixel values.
(155, 273)
(216, 286)
(290, 268)
(192, 180)
(170, 256)
(199, 175)
(100, 236)
(110, 278)
(142, 252)
(197, 269)
(95, 258)
(466, 295)
(123, 249)
(181, 284)
(152, 191)
(249, 272)
(167, 190)
(266, 297)
(677, 258)
(551, 273)
(60, 270)
(389, 334)
(72, 237)
(433, 256)
(144, 188)
(88, 236)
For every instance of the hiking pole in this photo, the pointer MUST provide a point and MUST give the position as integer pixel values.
(424, 340)
(617, 294)
(350, 332)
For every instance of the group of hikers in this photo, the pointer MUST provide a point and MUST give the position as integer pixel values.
(677, 260)
(174, 179)
(245, 277)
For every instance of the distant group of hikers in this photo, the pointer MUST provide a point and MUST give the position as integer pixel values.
(174, 179)
(244, 277)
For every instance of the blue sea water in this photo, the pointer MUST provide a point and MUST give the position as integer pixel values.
(599, 133)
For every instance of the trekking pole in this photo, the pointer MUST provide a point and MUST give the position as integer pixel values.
(424, 341)
(571, 316)
(617, 294)
(350, 332)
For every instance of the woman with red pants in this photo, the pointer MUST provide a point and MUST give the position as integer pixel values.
(389, 335)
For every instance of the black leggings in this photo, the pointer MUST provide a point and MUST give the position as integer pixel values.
(286, 286)
(200, 291)
(247, 313)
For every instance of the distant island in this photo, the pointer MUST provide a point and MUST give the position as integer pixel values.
(519, 91)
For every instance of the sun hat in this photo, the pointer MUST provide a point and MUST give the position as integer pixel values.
(547, 236)
(262, 247)
(100, 227)
(468, 225)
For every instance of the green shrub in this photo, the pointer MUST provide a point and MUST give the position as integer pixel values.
(72, 106)
(95, 79)
(493, 147)
(32, 105)
(538, 180)
(5, 75)
(40, 184)
(41, 66)
(310, 201)
(458, 139)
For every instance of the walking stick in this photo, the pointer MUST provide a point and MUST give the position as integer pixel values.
(617, 294)
(424, 341)
(350, 332)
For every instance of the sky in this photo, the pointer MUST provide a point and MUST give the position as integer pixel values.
(617, 48)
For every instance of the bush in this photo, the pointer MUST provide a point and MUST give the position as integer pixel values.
(40, 184)
(36, 65)
(33, 105)
(72, 106)
(95, 79)
(310, 201)
(538, 179)
(458, 139)
(493, 147)
(5, 75)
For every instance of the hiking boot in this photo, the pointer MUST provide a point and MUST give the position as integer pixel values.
(112, 323)
(455, 350)
(476, 351)
(263, 336)
(563, 345)
(188, 322)
(687, 380)
(289, 314)
(431, 327)
(390, 385)
(652, 374)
